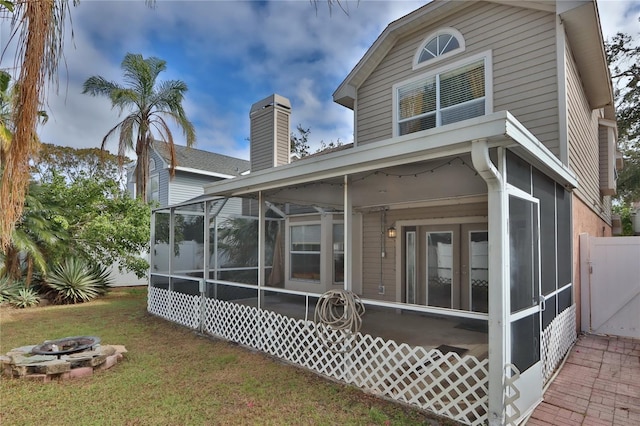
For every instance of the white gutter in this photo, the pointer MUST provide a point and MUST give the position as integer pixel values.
(203, 172)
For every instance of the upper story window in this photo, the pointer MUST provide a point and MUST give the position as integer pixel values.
(444, 96)
(441, 44)
(152, 164)
(154, 189)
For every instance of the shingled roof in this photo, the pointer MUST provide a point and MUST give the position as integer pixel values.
(205, 161)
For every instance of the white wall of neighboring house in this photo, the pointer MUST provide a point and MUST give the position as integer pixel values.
(127, 279)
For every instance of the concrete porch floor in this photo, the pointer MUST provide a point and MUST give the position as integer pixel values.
(599, 384)
(412, 328)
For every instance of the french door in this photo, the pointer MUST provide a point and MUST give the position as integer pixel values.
(446, 266)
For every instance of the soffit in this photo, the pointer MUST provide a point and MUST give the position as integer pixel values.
(582, 26)
(435, 10)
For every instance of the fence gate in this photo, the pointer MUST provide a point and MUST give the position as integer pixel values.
(610, 285)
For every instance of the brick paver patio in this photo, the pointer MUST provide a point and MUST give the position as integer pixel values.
(598, 385)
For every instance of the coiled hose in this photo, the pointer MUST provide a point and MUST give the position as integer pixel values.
(338, 317)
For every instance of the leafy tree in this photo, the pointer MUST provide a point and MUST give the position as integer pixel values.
(76, 163)
(623, 55)
(148, 103)
(300, 142)
(105, 225)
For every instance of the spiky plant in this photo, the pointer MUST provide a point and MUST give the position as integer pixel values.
(103, 275)
(9, 289)
(26, 298)
(73, 281)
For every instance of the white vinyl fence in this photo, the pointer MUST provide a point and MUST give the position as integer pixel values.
(610, 285)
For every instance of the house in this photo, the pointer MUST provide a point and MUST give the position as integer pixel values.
(485, 144)
(195, 168)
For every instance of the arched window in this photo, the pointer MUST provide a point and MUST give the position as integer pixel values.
(441, 44)
(152, 164)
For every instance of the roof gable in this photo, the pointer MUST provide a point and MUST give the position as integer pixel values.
(202, 162)
(586, 41)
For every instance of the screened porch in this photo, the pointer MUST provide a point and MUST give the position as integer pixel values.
(454, 246)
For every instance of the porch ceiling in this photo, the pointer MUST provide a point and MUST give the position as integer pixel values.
(397, 170)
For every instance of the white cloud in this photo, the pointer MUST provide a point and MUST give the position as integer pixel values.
(232, 54)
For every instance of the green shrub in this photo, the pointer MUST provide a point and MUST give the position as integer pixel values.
(103, 275)
(26, 298)
(9, 289)
(74, 281)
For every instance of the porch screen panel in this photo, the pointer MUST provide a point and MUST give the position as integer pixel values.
(411, 268)
(563, 201)
(439, 268)
(518, 172)
(479, 271)
(525, 341)
(549, 312)
(188, 249)
(544, 189)
(523, 256)
(305, 252)
(338, 253)
(161, 242)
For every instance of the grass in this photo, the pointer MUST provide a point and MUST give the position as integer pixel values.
(173, 376)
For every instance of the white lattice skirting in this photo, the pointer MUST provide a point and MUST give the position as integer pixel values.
(557, 338)
(446, 384)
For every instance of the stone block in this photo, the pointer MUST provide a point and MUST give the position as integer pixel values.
(80, 372)
(120, 349)
(107, 350)
(98, 360)
(110, 362)
(21, 350)
(35, 360)
(44, 378)
(53, 367)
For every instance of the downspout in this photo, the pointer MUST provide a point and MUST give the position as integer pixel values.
(498, 302)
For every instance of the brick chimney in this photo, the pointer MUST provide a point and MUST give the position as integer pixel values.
(270, 132)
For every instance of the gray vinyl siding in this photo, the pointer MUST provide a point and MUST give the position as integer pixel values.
(283, 136)
(523, 46)
(584, 155)
(163, 180)
(376, 268)
(262, 140)
(185, 186)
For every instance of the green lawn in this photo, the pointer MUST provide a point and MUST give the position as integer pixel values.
(173, 376)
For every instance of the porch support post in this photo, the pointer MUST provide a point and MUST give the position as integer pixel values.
(172, 241)
(261, 227)
(206, 240)
(348, 236)
(498, 279)
(152, 239)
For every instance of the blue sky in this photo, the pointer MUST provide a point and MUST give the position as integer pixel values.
(232, 54)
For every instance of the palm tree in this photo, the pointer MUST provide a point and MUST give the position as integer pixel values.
(149, 103)
(33, 237)
(39, 26)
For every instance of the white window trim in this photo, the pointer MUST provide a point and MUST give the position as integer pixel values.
(447, 30)
(488, 83)
(289, 252)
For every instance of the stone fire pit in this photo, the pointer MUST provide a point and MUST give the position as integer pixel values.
(60, 359)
